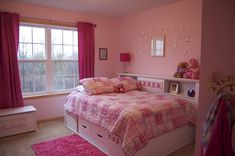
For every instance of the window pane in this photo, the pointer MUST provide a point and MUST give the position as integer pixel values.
(39, 35)
(75, 52)
(39, 51)
(33, 76)
(57, 52)
(25, 34)
(75, 38)
(26, 69)
(76, 67)
(32, 68)
(68, 82)
(64, 82)
(58, 68)
(65, 74)
(58, 82)
(68, 68)
(63, 68)
(68, 37)
(76, 80)
(40, 83)
(56, 36)
(68, 52)
(27, 84)
(39, 68)
(27, 47)
(25, 51)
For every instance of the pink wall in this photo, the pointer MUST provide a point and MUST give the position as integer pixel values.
(48, 107)
(179, 22)
(218, 51)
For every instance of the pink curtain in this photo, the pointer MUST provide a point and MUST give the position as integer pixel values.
(86, 47)
(10, 88)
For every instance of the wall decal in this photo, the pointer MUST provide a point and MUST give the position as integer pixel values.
(178, 40)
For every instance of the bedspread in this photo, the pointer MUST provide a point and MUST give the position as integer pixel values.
(134, 117)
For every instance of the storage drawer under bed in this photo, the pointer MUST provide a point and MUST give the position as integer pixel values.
(96, 135)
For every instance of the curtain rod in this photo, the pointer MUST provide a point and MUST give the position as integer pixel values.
(48, 22)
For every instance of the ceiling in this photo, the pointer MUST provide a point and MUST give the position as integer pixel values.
(112, 8)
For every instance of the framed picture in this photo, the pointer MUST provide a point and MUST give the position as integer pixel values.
(174, 88)
(103, 53)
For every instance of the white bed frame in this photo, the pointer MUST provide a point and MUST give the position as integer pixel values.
(159, 146)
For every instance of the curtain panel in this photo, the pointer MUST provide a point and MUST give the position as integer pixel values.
(10, 88)
(86, 49)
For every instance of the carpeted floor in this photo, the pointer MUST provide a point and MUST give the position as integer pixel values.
(20, 145)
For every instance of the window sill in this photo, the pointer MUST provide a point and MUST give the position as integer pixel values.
(45, 95)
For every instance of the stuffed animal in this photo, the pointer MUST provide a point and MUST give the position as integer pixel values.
(180, 70)
(120, 88)
(192, 69)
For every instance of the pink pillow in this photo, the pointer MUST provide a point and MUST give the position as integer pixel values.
(97, 85)
(129, 83)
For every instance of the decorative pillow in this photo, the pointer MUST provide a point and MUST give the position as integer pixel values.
(97, 85)
(128, 82)
(80, 89)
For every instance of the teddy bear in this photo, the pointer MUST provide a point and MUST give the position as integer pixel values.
(120, 88)
(180, 70)
(192, 69)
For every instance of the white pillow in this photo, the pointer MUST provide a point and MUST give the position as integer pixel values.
(80, 89)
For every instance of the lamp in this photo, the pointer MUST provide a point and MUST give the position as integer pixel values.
(124, 57)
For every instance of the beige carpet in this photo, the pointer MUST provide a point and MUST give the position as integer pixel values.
(20, 145)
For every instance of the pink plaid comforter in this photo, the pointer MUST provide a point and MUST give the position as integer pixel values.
(134, 117)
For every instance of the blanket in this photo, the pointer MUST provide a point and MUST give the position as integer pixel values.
(134, 117)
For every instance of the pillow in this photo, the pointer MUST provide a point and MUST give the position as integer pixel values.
(97, 85)
(80, 89)
(129, 83)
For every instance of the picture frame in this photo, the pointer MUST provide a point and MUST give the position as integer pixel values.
(103, 53)
(157, 46)
(174, 88)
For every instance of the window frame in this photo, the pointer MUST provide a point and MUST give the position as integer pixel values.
(48, 59)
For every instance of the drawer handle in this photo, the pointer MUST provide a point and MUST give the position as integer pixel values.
(99, 135)
(84, 126)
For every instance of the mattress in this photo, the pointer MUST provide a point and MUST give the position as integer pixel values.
(134, 117)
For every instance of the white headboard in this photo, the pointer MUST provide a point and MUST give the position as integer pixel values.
(151, 84)
(163, 84)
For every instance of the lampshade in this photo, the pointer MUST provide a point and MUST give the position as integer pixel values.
(125, 57)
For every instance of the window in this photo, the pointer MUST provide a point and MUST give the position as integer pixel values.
(64, 55)
(48, 59)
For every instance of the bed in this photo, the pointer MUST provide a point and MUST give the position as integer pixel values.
(131, 123)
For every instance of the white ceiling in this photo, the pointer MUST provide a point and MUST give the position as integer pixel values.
(112, 8)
